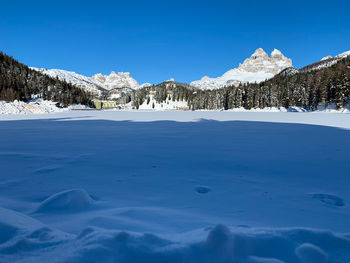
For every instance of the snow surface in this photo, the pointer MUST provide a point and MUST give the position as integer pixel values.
(343, 55)
(175, 186)
(326, 57)
(232, 77)
(168, 104)
(145, 85)
(34, 106)
(39, 106)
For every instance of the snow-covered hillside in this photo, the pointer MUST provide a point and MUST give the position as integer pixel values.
(179, 187)
(36, 106)
(39, 106)
(145, 85)
(168, 104)
(78, 80)
(97, 83)
(325, 62)
(257, 68)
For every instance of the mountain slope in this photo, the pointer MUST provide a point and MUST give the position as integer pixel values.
(75, 79)
(107, 86)
(116, 81)
(19, 82)
(257, 68)
(323, 88)
(325, 62)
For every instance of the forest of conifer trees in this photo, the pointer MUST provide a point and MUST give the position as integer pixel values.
(306, 89)
(19, 82)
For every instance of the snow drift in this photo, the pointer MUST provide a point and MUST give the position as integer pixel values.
(192, 187)
(67, 201)
(27, 240)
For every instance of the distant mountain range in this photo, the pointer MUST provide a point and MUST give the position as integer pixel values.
(261, 81)
(325, 62)
(258, 67)
(324, 85)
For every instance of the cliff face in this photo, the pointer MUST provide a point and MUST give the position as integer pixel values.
(257, 68)
(116, 80)
(261, 62)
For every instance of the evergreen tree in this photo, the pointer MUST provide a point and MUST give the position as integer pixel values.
(19, 82)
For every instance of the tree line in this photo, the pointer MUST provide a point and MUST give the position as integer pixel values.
(19, 82)
(306, 88)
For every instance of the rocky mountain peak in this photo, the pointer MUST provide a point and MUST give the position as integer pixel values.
(258, 67)
(277, 54)
(326, 57)
(261, 62)
(259, 54)
(116, 80)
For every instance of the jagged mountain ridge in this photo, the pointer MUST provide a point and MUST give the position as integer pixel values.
(73, 78)
(327, 61)
(116, 80)
(96, 84)
(259, 67)
(324, 88)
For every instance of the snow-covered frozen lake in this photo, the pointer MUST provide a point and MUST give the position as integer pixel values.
(206, 186)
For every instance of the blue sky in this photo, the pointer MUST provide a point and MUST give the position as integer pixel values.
(158, 40)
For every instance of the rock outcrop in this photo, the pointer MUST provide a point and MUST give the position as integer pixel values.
(116, 80)
(257, 68)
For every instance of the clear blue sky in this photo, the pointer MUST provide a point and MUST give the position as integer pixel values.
(157, 40)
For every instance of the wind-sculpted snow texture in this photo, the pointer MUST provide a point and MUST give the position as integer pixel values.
(220, 187)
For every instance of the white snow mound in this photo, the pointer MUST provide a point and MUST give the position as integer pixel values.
(66, 201)
(35, 106)
(219, 244)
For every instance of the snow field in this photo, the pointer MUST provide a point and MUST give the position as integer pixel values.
(174, 186)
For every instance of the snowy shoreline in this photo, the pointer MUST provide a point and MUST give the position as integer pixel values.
(322, 118)
(39, 106)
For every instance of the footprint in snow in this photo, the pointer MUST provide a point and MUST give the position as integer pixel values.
(328, 199)
(202, 189)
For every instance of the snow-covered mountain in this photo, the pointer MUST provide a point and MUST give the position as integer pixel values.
(116, 81)
(145, 85)
(78, 80)
(97, 83)
(257, 68)
(288, 71)
(325, 62)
